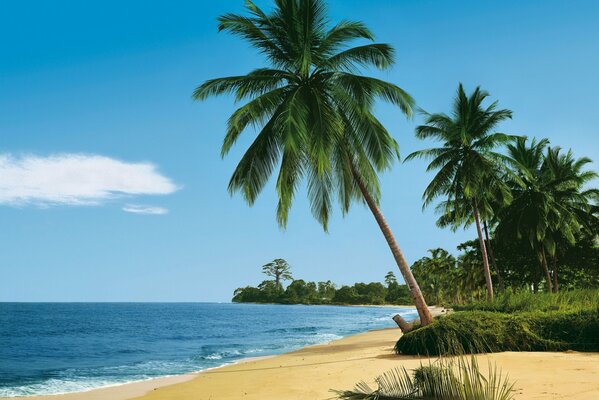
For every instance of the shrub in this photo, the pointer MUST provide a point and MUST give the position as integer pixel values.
(447, 380)
(485, 332)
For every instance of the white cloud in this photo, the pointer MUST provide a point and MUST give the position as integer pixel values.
(142, 209)
(75, 179)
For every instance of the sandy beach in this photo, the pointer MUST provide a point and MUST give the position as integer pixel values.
(310, 373)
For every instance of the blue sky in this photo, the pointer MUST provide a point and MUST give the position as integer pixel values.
(103, 88)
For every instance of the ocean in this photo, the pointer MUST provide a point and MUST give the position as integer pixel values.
(51, 348)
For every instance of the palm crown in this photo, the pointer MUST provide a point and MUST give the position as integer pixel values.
(467, 162)
(313, 112)
(550, 202)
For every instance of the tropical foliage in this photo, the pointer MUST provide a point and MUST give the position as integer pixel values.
(551, 206)
(313, 112)
(459, 379)
(512, 322)
(458, 280)
(469, 168)
(302, 292)
(532, 205)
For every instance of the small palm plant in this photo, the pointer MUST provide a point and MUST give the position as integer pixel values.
(450, 380)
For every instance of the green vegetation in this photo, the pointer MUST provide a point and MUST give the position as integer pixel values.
(446, 380)
(515, 322)
(531, 204)
(302, 292)
(458, 281)
(314, 114)
(511, 302)
(469, 175)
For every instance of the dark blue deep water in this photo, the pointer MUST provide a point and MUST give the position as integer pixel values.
(48, 348)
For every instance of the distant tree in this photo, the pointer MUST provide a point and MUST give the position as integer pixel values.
(390, 279)
(398, 294)
(278, 269)
(326, 290)
(370, 293)
(435, 274)
(300, 291)
(345, 295)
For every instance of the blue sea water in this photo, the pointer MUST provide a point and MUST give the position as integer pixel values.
(50, 348)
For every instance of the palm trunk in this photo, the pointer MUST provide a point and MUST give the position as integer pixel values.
(483, 250)
(404, 268)
(554, 267)
(493, 261)
(546, 270)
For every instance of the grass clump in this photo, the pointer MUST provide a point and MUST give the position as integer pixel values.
(459, 379)
(511, 302)
(487, 332)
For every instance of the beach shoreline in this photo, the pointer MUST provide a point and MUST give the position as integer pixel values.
(312, 371)
(131, 389)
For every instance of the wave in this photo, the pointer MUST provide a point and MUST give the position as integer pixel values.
(161, 340)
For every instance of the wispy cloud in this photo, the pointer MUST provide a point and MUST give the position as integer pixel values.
(142, 209)
(76, 179)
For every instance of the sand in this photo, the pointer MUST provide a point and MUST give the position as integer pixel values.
(310, 373)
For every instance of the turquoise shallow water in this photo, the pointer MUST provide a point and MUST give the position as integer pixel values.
(49, 348)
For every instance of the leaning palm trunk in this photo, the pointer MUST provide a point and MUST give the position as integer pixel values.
(546, 270)
(493, 261)
(554, 268)
(483, 250)
(404, 268)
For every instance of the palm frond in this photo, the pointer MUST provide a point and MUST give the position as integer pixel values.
(447, 380)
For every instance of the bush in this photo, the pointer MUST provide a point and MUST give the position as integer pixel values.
(485, 332)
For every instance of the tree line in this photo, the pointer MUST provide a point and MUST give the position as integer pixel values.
(450, 279)
(302, 292)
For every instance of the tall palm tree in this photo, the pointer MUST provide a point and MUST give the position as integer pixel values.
(550, 203)
(314, 114)
(567, 179)
(468, 167)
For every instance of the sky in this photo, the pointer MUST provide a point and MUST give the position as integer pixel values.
(112, 187)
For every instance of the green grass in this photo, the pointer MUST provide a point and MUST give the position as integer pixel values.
(513, 322)
(510, 302)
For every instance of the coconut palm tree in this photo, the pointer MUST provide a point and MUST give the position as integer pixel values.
(552, 202)
(314, 114)
(468, 167)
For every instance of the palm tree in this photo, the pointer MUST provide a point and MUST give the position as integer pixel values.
(468, 167)
(313, 113)
(278, 269)
(550, 203)
(435, 274)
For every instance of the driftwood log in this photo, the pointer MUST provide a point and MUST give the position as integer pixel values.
(404, 325)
